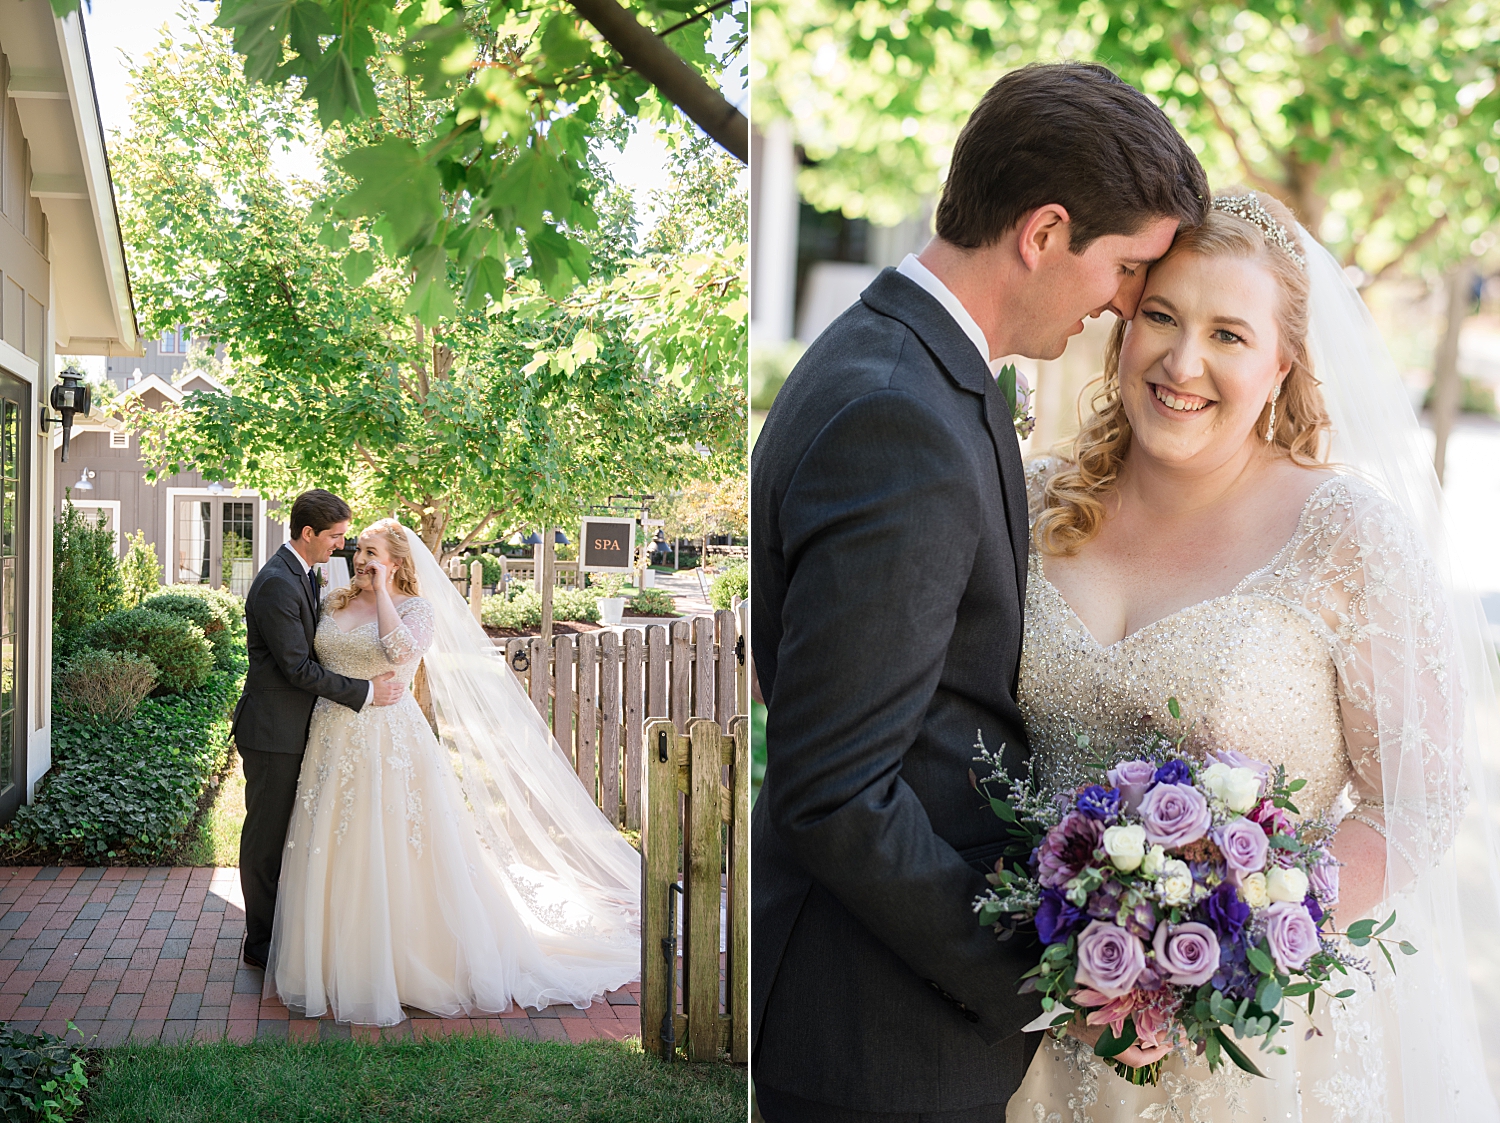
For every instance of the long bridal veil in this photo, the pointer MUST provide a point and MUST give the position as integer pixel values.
(1438, 749)
(563, 862)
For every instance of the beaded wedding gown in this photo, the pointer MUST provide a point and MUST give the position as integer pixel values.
(1287, 668)
(391, 893)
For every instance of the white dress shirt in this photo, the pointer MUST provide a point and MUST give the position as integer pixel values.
(306, 569)
(914, 269)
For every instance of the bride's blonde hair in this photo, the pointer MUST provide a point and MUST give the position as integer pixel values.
(1074, 508)
(398, 549)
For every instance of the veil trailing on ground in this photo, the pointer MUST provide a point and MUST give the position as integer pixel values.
(1433, 724)
(566, 864)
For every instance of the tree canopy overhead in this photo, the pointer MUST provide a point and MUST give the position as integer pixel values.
(1378, 122)
(516, 412)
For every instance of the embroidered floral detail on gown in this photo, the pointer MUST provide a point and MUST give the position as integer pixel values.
(388, 896)
(1278, 669)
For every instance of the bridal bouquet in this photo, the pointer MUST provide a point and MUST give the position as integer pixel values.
(1175, 900)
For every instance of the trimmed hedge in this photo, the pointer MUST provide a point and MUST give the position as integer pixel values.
(127, 791)
(227, 636)
(182, 654)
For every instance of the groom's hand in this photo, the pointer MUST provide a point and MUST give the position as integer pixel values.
(387, 690)
(1135, 1056)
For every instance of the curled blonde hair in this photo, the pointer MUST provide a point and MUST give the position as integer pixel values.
(1074, 509)
(404, 575)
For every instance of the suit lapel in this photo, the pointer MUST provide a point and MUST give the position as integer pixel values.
(301, 578)
(901, 298)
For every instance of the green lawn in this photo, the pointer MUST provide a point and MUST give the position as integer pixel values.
(216, 836)
(458, 1079)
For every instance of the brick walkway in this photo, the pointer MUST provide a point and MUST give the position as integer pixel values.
(143, 955)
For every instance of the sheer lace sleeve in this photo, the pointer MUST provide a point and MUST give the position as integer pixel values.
(1038, 472)
(1360, 567)
(413, 635)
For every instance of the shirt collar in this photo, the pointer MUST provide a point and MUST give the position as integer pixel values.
(913, 269)
(306, 569)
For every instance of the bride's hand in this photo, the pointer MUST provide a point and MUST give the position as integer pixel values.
(378, 576)
(1135, 1056)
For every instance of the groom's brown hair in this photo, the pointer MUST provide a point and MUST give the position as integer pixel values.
(1074, 134)
(318, 509)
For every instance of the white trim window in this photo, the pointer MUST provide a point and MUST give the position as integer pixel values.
(168, 343)
(106, 511)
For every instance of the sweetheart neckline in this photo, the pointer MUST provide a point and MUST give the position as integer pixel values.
(352, 630)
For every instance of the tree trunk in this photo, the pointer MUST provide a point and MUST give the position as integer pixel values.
(1445, 380)
(549, 580)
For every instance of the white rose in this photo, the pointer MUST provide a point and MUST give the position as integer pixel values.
(1213, 778)
(1153, 861)
(1253, 889)
(1126, 846)
(1241, 789)
(1286, 884)
(1176, 883)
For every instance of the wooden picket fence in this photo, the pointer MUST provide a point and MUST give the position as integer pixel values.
(598, 690)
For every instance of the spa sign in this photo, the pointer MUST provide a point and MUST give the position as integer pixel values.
(608, 545)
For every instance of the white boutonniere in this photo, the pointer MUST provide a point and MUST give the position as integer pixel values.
(1017, 393)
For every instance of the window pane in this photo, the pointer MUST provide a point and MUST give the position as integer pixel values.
(239, 546)
(194, 525)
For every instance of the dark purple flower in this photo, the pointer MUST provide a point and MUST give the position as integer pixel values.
(1099, 802)
(1225, 913)
(1234, 976)
(1068, 847)
(1056, 917)
(1174, 772)
(1104, 902)
(1132, 777)
(1141, 922)
(1314, 910)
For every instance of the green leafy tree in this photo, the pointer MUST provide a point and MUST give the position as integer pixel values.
(1377, 121)
(140, 571)
(520, 87)
(512, 414)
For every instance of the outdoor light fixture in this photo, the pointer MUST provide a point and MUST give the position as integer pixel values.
(216, 488)
(83, 481)
(69, 397)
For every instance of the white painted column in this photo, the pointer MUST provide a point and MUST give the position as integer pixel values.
(773, 282)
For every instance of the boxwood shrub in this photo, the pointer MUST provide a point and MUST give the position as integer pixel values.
(182, 654)
(218, 613)
(524, 608)
(733, 582)
(125, 792)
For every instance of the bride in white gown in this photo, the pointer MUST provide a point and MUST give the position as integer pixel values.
(1204, 542)
(402, 885)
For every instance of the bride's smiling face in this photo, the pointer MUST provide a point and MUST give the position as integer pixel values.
(370, 549)
(1201, 358)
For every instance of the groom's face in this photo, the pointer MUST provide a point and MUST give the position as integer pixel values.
(319, 547)
(1071, 288)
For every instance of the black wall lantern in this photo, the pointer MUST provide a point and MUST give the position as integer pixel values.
(70, 396)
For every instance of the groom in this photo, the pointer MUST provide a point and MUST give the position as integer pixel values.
(889, 533)
(281, 686)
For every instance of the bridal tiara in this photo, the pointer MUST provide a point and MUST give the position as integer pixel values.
(1249, 208)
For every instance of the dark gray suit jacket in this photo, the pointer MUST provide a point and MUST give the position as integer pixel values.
(285, 679)
(888, 547)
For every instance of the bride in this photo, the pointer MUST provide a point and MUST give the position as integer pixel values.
(1203, 541)
(401, 885)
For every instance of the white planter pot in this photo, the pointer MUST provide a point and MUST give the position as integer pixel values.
(611, 609)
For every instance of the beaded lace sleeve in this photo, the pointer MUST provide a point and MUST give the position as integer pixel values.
(1038, 472)
(409, 639)
(1359, 566)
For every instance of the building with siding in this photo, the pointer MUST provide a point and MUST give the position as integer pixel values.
(63, 290)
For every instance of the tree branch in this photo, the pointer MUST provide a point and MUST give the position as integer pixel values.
(1382, 204)
(649, 56)
(710, 10)
(468, 538)
(1255, 178)
(1427, 235)
(364, 454)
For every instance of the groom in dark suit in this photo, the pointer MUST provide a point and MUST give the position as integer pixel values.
(281, 686)
(889, 545)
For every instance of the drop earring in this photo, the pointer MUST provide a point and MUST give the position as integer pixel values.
(1271, 421)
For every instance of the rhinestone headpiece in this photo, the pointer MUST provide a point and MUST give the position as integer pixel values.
(1249, 208)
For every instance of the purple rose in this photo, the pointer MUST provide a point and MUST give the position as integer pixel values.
(1056, 917)
(1098, 802)
(1110, 959)
(1174, 772)
(1240, 760)
(1291, 933)
(1068, 847)
(1225, 912)
(1323, 879)
(1244, 845)
(1132, 778)
(1187, 954)
(1174, 815)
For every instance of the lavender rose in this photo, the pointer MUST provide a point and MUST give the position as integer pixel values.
(1174, 815)
(1323, 879)
(1110, 959)
(1187, 954)
(1291, 934)
(1068, 847)
(1132, 778)
(1244, 845)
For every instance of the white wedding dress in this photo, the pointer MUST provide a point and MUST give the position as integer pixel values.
(402, 887)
